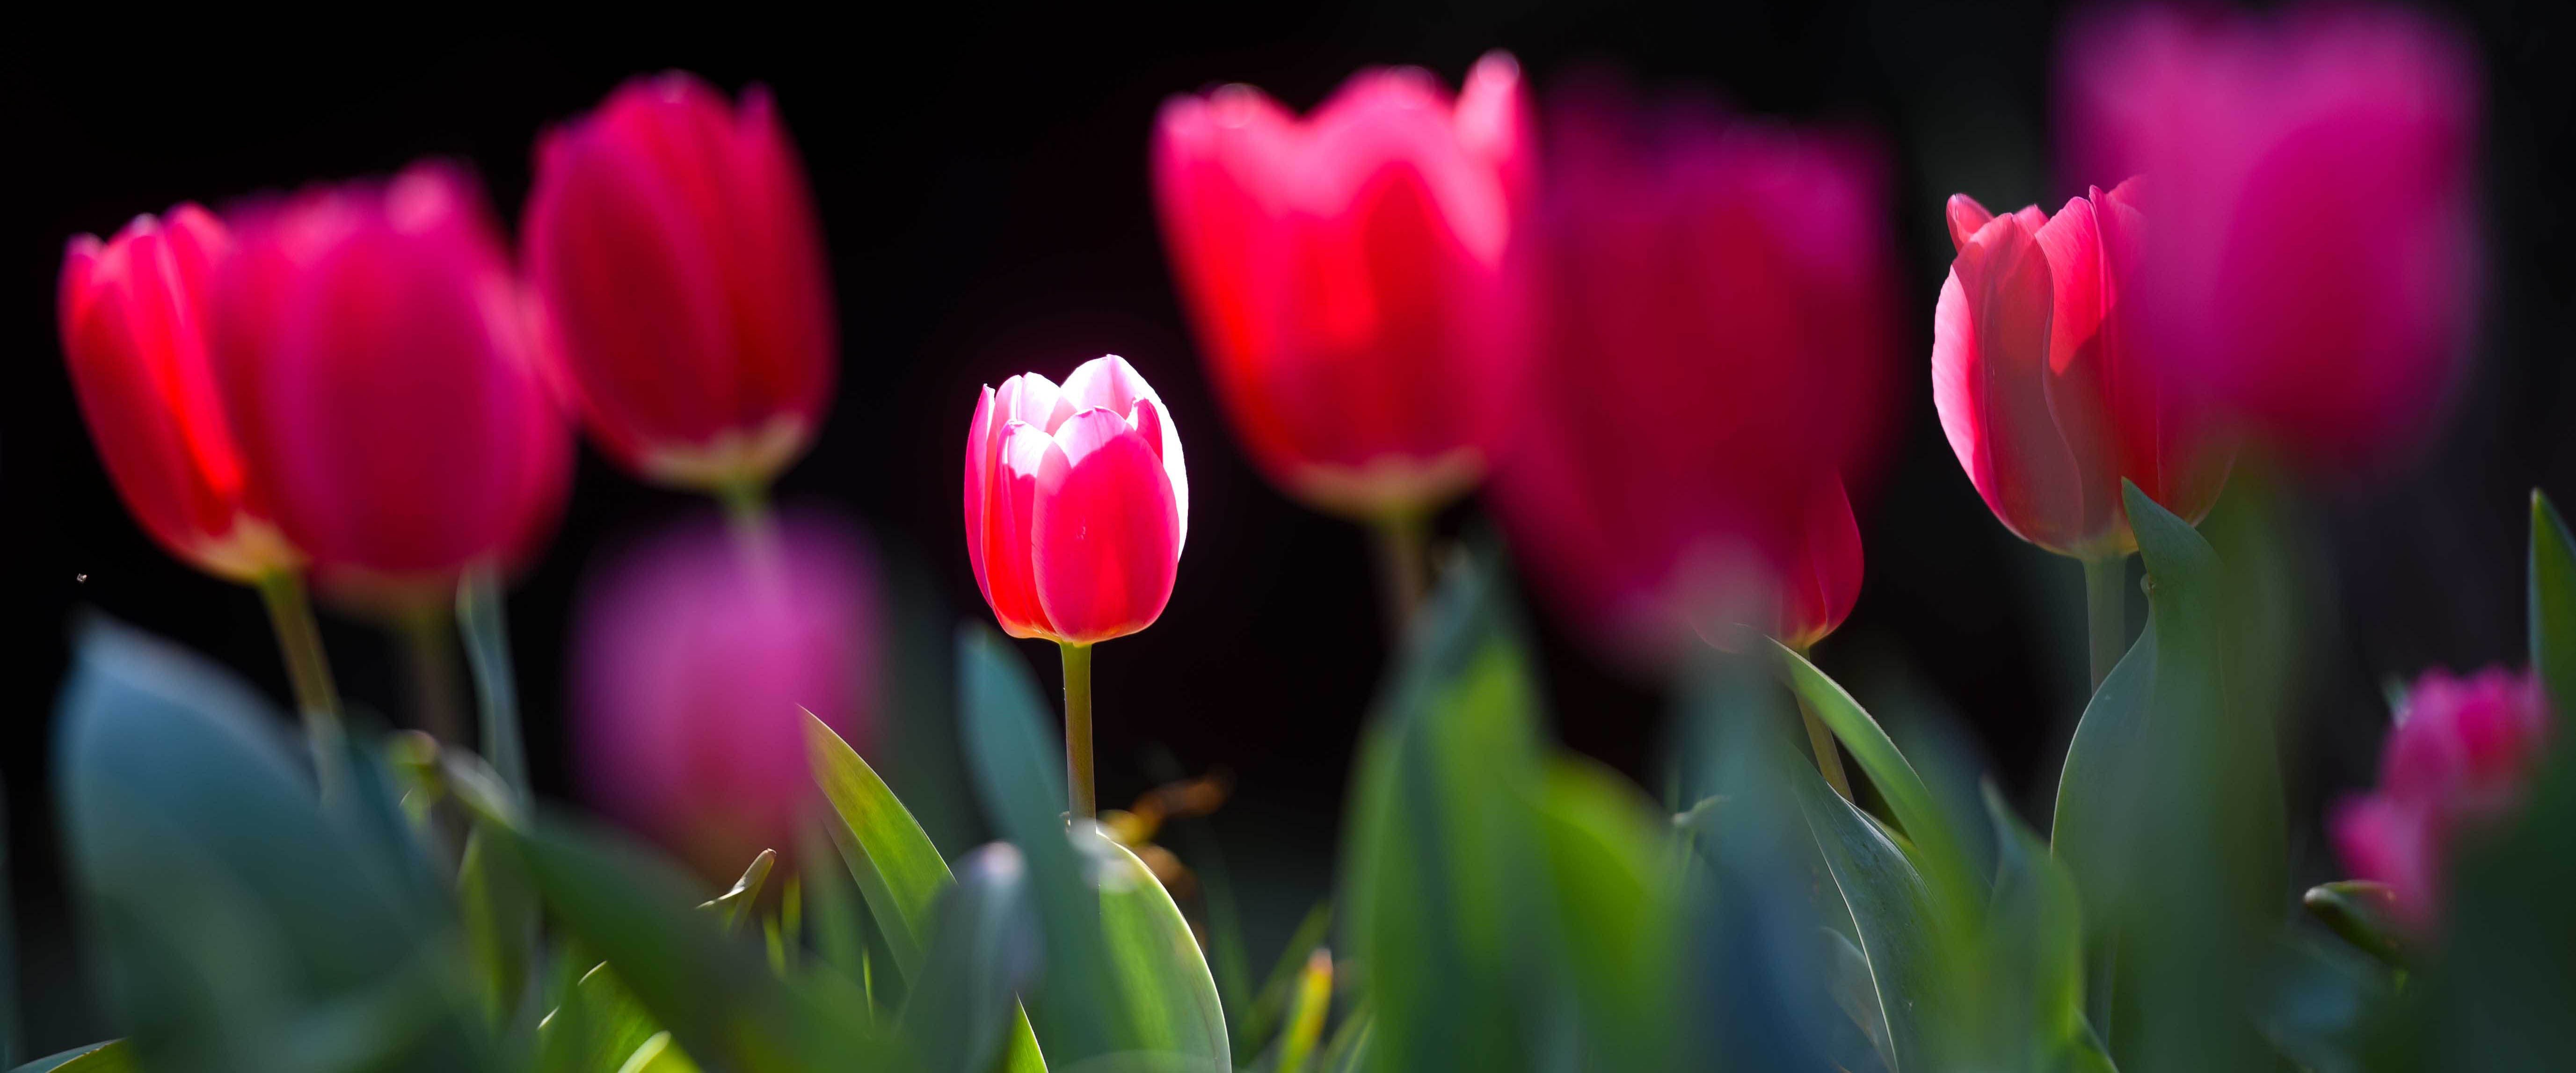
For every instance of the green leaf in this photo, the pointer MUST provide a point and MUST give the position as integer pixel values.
(297, 933)
(1269, 1005)
(1917, 811)
(1170, 995)
(112, 1056)
(500, 922)
(595, 1028)
(1306, 1015)
(1886, 899)
(1615, 917)
(1021, 1054)
(2330, 1008)
(736, 902)
(983, 951)
(658, 1055)
(2363, 913)
(898, 870)
(2033, 979)
(2552, 606)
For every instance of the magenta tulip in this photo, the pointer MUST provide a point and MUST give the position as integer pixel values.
(675, 243)
(1345, 274)
(2459, 762)
(1077, 503)
(134, 323)
(2314, 260)
(378, 367)
(1712, 300)
(692, 657)
(2047, 394)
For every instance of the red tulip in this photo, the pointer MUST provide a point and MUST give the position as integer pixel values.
(1712, 302)
(1345, 275)
(675, 244)
(1077, 503)
(376, 361)
(134, 324)
(1823, 579)
(2459, 760)
(691, 657)
(2314, 259)
(2047, 394)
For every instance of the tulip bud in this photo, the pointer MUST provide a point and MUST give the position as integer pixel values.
(1712, 302)
(376, 361)
(674, 241)
(1345, 274)
(134, 323)
(1077, 503)
(2459, 761)
(2313, 263)
(2047, 395)
(692, 657)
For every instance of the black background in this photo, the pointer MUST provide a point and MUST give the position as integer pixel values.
(982, 181)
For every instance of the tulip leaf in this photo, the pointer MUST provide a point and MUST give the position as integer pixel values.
(297, 929)
(1886, 900)
(595, 1027)
(2035, 934)
(982, 951)
(1171, 996)
(1917, 810)
(1614, 910)
(113, 1056)
(500, 922)
(2362, 912)
(736, 902)
(1306, 1014)
(2552, 608)
(899, 871)
(1270, 1003)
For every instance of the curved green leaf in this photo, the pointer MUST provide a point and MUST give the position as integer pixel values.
(113, 1056)
(735, 903)
(1171, 996)
(1608, 869)
(1918, 812)
(1888, 903)
(898, 870)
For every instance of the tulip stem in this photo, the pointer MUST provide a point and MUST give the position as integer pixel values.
(308, 671)
(1403, 548)
(487, 655)
(429, 650)
(2106, 582)
(1829, 757)
(1077, 730)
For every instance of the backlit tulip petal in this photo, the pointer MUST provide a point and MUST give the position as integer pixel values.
(673, 238)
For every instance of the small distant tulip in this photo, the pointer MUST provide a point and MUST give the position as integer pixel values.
(378, 368)
(1823, 579)
(2458, 761)
(1345, 274)
(1712, 301)
(692, 657)
(134, 324)
(673, 238)
(1077, 503)
(2048, 395)
(2314, 260)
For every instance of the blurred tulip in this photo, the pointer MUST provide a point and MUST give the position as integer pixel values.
(675, 244)
(2044, 390)
(1077, 503)
(692, 654)
(134, 324)
(376, 361)
(1712, 299)
(2458, 761)
(1345, 275)
(2314, 260)
(1823, 579)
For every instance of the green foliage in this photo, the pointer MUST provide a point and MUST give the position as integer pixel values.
(898, 870)
(113, 1056)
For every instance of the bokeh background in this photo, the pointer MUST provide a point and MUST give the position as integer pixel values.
(981, 179)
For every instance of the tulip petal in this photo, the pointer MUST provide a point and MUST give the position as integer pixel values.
(1966, 216)
(1110, 382)
(1107, 534)
(980, 436)
(1009, 510)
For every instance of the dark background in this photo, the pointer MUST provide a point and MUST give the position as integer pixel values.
(982, 181)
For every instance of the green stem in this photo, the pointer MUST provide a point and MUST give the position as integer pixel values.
(746, 504)
(1829, 757)
(308, 671)
(429, 651)
(1077, 730)
(2106, 582)
(487, 655)
(1402, 542)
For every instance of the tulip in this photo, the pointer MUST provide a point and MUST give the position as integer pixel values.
(377, 363)
(1345, 273)
(674, 241)
(1712, 303)
(134, 324)
(2460, 761)
(2314, 260)
(692, 655)
(1077, 503)
(1823, 579)
(2044, 390)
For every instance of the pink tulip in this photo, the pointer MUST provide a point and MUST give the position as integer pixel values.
(134, 324)
(2045, 390)
(2314, 261)
(1077, 503)
(2459, 761)
(692, 655)
(1822, 582)
(1345, 275)
(1712, 299)
(378, 367)
(675, 243)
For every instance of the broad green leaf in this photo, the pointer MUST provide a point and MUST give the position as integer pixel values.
(983, 950)
(1918, 812)
(658, 1055)
(296, 931)
(898, 871)
(112, 1056)
(1886, 900)
(2552, 606)
(1613, 897)
(2363, 913)
(1021, 1053)
(1171, 997)
(736, 902)
(500, 922)
(2029, 976)
(595, 1028)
